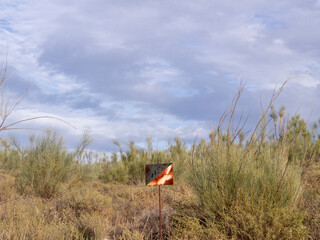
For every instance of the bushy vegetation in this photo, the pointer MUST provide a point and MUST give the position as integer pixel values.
(245, 193)
(129, 166)
(43, 166)
(258, 184)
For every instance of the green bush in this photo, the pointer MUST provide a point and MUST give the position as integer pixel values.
(249, 198)
(10, 159)
(46, 165)
(129, 166)
(114, 172)
(251, 191)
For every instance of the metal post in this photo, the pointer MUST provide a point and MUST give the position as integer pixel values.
(160, 214)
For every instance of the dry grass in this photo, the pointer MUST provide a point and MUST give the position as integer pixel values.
(312, 201)
(95, 210)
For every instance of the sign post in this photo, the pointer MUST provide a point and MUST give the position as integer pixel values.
(160, 226)
(157, 175)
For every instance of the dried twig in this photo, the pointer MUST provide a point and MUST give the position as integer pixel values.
(6, 110)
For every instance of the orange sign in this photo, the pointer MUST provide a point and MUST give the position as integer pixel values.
(159, 174)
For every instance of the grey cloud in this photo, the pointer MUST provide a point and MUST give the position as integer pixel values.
(176, 58)
(151, 33)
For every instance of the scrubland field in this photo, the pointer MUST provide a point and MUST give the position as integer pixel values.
(261, 184)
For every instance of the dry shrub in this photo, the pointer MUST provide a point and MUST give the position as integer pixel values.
(312, 201)
(135, 211)
(7, 186)
(192, 228)
(85, 199)
(77, 214)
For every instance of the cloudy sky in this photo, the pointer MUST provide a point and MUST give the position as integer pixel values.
(129, 69)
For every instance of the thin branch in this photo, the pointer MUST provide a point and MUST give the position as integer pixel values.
(275, 95)
(240, 130)
(34, 118)
(3, 71)
(6, 115)
(36, 129)
(252, 142)
(193, 147)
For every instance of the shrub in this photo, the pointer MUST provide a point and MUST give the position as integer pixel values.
(46, 164)
(130, 167)
(10, 159)
(248, 192)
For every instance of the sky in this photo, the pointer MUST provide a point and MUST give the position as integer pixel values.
(130, 69)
